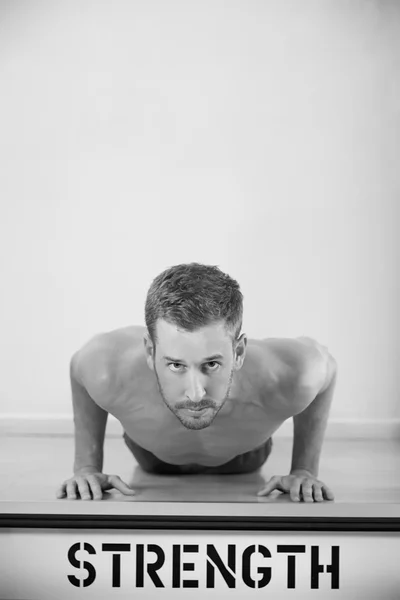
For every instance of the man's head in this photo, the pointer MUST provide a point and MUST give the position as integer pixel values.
(194, 316)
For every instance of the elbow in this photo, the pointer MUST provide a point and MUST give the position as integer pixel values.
(331, 374)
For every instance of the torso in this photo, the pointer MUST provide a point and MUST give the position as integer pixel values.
(277, 380)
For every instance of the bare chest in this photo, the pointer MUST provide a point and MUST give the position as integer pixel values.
(239, 427)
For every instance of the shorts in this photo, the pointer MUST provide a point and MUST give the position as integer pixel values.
(243, 463)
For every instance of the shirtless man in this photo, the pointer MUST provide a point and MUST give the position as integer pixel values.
(194, 395)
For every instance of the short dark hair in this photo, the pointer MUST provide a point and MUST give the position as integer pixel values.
(192, 296)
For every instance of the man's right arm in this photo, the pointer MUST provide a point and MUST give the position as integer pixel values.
(88, 481)
(90, 425)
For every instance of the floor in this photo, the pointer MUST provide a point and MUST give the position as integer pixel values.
(32, 467)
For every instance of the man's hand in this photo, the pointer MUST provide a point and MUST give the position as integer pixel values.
(301, 485)
(90, 486)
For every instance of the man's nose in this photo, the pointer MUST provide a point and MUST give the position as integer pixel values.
(195, 389)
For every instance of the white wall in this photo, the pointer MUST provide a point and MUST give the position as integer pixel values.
(259, 136)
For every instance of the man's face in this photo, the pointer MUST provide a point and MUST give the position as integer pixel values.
(194, 370)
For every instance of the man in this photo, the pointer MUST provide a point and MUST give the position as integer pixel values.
(194, 395)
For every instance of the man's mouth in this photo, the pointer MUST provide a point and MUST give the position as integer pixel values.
(196, 411)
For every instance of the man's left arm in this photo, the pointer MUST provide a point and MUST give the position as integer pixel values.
(309, 429)
(310, 425)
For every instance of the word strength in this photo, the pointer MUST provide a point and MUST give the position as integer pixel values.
(201, 566)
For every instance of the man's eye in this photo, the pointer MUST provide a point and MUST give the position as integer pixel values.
(213, 365)
(176, 366)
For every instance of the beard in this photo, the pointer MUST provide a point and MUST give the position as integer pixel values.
(200, 422)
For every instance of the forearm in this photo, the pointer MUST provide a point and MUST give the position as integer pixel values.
(90, 424)
(309, 431)
(89, 444)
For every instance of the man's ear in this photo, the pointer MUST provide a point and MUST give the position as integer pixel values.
(149, 350)
(240, 351)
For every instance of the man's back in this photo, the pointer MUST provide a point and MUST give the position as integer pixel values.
(277, 380)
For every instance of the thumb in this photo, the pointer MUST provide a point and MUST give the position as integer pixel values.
(117, 483)
(273, 484)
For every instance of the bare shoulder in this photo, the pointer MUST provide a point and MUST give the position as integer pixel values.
(302, 366)
(318, 366)
(96, 364)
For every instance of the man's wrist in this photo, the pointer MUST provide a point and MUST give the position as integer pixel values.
(302, 471)
(86, 470)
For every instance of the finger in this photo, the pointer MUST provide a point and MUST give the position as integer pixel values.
(318, 492)
(295, 490)
(60, 493)
(120, 485)
(306, 490)
(83, 488)
(272, 484)
(71, 490)
(328, 494)
(95, 488)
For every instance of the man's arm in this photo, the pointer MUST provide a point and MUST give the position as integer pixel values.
(309, 431)
(90, 425)
(310, 425)
(88, 481)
